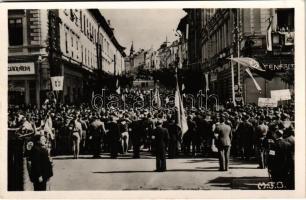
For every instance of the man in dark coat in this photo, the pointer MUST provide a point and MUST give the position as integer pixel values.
(39, 164)
(278, 158)
(174, 135)
(114, 137)
(223, 136)
(245, 133)
(161, 137)
(136, 136)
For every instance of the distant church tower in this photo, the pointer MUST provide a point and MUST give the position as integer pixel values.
(132, 50)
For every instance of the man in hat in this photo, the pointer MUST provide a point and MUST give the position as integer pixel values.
(114, 137)
(161, 138)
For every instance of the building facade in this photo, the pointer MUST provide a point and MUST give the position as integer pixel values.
(73, 43)
(226, 33)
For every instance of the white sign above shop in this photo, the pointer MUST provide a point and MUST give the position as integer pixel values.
(21, 68)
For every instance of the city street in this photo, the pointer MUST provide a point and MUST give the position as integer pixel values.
(138, 174)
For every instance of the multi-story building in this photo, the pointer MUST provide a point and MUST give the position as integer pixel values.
(241, 33)
(72, 43)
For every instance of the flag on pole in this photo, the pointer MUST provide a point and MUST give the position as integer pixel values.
(181, 118)
(206, 82)
(254, 66)
(117, 87)
(269, 35)
(92, 94)
(255, 82)
(157, 98)
(183, 87)
(57, 83)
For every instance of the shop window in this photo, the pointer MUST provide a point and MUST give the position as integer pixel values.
(15, 32)
(285, 19)
(81, 20)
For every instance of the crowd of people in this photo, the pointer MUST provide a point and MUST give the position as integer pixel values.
(245, 132)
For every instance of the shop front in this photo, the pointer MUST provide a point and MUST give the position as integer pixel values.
(23, 84)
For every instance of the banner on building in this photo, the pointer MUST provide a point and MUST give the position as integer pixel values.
(281, 95)
(57, 83)
(206, 82)
(267, 102)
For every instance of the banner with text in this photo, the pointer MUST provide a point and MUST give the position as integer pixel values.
(267, 102)
(281, 95)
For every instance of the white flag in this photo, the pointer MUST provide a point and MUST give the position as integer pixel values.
(269, 36)
(57, 83)
(248, 62)
(181, 118)
(255, 82)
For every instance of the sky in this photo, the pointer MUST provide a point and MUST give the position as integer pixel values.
(145, 27)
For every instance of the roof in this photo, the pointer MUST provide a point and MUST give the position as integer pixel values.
(182, 24)
(109, 31)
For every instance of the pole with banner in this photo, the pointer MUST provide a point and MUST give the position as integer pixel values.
(57, 83)
(233, 82)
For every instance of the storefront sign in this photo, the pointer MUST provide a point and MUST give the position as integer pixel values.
(280, 95)
(278, 67)
(267, 102)
(21, 68)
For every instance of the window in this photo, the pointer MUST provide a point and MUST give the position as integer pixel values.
(71, 41)
(85, 56)
(15, 31)
(66, 42)
(285, 19)
(81, 20)
(82, 53)
(84, 25)
(77, 45)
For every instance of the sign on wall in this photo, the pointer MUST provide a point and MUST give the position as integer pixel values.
(21, 68)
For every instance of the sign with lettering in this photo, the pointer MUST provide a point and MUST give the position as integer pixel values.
(21, 68)
(267, 102)
(281, 95)
(278, 67)
(57, 82)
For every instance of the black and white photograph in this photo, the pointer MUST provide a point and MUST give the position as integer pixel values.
(152, 99)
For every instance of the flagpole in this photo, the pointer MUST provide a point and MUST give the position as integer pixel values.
(238, 44)
(233, 82)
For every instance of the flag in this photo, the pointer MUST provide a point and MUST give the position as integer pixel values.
(248, 62)
(181, 118)
(269, 35)
(92, 94)
(254, 66)
(117, 87)
(255, 82)
(57, 83)
(206, 82)
(183, 87)
(157, 98)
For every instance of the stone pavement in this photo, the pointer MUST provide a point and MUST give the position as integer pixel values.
(125, 173)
